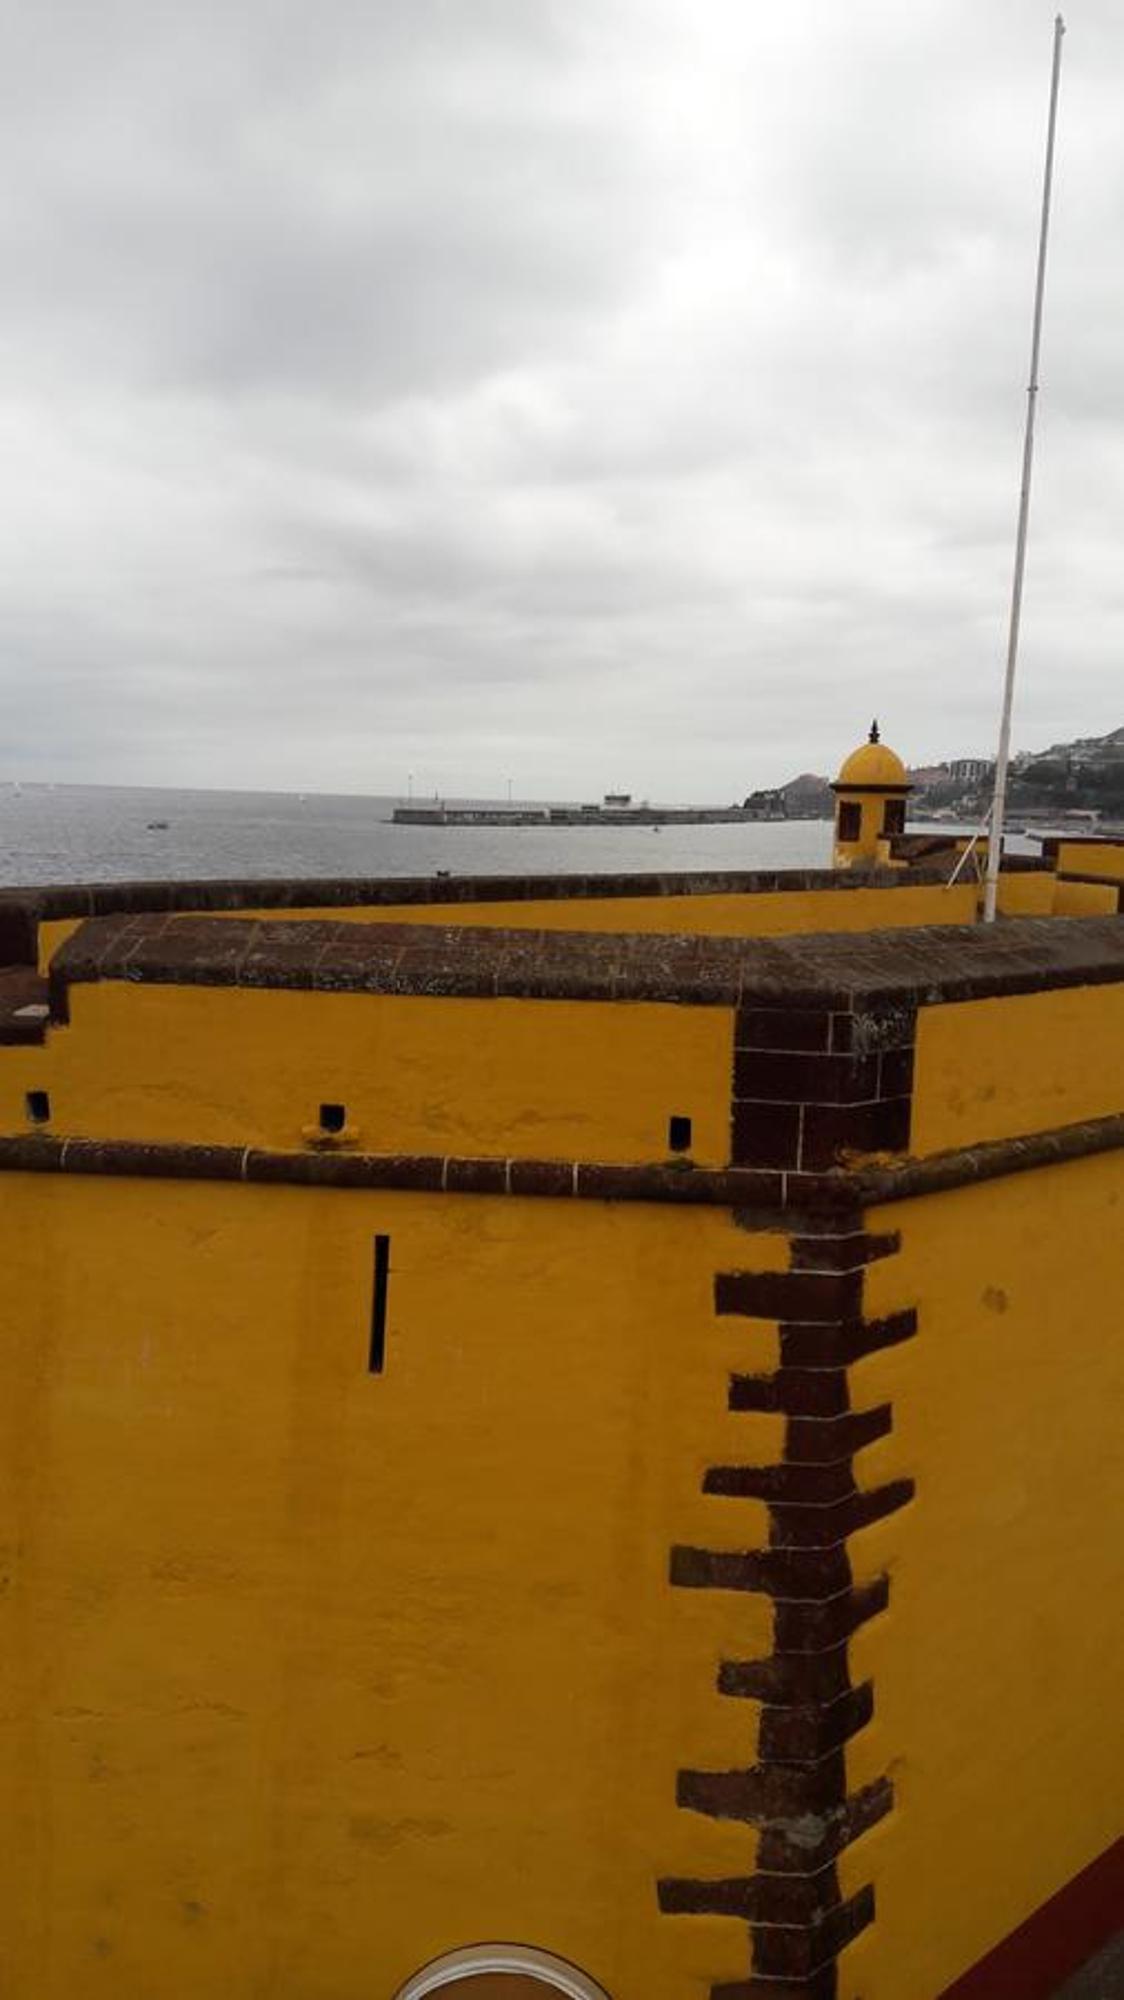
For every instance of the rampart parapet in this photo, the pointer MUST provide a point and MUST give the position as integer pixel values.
(578, 1413)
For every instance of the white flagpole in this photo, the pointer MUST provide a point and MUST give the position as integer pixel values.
(999, 797)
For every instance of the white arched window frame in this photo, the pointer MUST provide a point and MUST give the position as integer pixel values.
(556, 1974)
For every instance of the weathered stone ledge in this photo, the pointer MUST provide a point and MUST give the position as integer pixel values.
(758, 1193)
(835, 970)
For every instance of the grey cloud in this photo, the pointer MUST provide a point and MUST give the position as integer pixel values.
(549, 386)
(437, 205)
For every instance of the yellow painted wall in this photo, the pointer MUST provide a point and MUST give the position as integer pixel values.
(767, 914)
(997, 1665)
(311, 1675)
(1027, 895)
(992, 1069)
(557, 1079)
(53, 934)
(870, 848)
(1085, 899)
(1091, 857)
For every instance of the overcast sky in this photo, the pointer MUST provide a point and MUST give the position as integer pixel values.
(587, 393)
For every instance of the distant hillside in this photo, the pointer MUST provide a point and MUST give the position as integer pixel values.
(1085, 775)
(1083, 750)
(808, 797)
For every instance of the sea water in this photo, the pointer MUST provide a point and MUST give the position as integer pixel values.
(102, 833)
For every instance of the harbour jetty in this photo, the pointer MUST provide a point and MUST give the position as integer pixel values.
(616, 809)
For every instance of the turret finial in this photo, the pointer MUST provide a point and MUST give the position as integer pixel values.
(874, 736)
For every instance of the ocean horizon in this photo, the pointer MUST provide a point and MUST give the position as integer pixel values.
(114, 833)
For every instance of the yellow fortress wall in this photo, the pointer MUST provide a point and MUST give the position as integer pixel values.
(685, 1552)
(1089, 874)
(323, 1671)
(1097, 860)
(998, 1665)
(566, 1079)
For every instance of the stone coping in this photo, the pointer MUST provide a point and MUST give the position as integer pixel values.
(92, 899)
(757, 1193)
(22, 909)
(937, 845)
(1050, 842)
(843, 970)
(23, 1005)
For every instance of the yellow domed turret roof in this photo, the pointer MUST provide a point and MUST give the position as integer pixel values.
(874, 765)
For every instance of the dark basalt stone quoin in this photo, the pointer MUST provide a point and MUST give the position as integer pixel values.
(809, 1707)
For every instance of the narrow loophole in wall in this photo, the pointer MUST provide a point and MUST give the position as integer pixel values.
(333, 1117)
(678, 1133)
(38, 1105)
(376, 1358)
